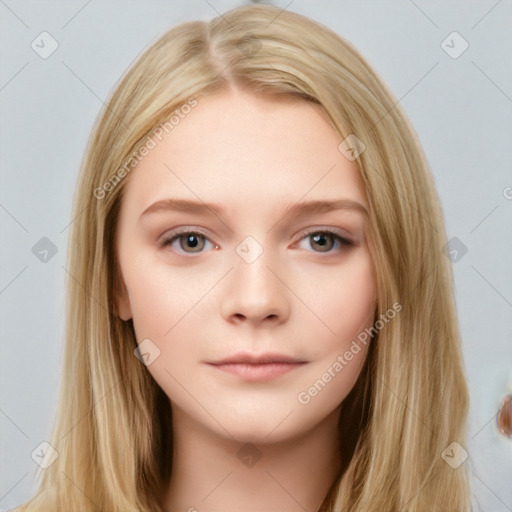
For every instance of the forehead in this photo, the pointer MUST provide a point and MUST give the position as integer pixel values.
(242, 150)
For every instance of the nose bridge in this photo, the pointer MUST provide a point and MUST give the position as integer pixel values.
(254, 291)
(252, 267)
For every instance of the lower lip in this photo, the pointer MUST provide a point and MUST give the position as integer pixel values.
(258, 372)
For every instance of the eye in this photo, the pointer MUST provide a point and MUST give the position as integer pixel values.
(190, 242)
(326, 239)
(193, 242)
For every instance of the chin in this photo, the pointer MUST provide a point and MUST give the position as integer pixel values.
(259, 434)
(267, 429)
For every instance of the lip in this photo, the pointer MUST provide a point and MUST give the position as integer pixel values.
(258, 368)
(264, 358)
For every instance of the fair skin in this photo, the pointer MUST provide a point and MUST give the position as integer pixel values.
(204, 297)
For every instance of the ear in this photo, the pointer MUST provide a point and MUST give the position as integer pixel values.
(122, 306)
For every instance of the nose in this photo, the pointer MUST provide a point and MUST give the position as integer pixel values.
(255, 292)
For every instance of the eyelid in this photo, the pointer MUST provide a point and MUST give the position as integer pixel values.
(342, 233)
(182, 230)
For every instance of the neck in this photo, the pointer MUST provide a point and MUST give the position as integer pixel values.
(213, 474)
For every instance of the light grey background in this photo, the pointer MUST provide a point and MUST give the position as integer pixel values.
(461, 108)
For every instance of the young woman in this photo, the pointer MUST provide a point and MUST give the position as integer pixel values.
(260, 310)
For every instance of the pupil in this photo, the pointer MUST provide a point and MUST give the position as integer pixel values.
(320, 239)
(317, 237)
(191, 242)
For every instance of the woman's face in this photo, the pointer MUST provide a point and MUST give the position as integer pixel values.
(253, 274)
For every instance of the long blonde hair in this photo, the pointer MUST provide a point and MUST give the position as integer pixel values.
(113, 425)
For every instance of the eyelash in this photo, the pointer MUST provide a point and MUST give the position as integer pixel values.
(176, 234)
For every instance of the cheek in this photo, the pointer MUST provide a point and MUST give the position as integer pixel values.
(164, 307)
(163, 296)
(348, 308)
(343, 299)
(354, 302)
(156, 302)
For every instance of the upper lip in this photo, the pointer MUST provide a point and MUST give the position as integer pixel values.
(266, 358)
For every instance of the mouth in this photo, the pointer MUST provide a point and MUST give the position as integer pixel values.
(262, 367)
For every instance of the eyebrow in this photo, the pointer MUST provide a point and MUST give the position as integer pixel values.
(301, 209)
